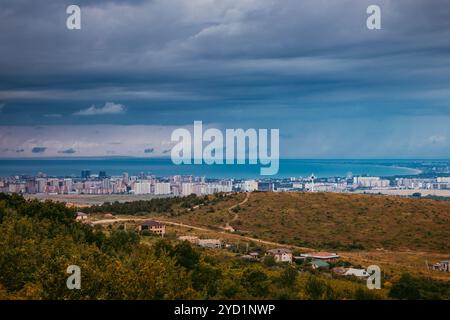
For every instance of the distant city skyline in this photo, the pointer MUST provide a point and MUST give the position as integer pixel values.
(139, 69)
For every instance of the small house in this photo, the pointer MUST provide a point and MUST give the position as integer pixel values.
(81, 216)
(281, 254)
(153, 226)
(359, 273)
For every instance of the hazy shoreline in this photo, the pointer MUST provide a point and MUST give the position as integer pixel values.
(407, 192)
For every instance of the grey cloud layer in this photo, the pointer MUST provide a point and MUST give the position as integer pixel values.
(259, 63)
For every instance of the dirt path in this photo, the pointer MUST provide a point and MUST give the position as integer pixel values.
(110, 221)
(228, 227)
(231, 235)
(179, 224)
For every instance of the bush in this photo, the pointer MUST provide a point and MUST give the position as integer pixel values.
(269, 261)
(409, 287)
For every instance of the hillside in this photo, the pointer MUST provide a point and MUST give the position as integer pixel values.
(335, 221)
(39, 240)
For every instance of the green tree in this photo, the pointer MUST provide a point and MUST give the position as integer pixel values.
(317, 289)
(255, 281)
(269, 261)
(288, 277)
(409, 287)
(185, 255)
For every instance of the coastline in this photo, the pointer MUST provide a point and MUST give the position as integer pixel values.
(416, 171)
(163, 167)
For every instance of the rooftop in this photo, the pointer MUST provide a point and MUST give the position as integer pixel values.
(151, 223)
(320, 263)
(320, 255)
(356, 272)
(279, 251)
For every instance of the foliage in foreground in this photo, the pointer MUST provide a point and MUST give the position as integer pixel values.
(38, 240)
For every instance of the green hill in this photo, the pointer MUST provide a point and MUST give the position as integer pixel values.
(337, 221)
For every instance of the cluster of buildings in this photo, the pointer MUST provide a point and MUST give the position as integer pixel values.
(159, 229)
(316, 260)
(439, 183)
(142, 184)
(102, 184)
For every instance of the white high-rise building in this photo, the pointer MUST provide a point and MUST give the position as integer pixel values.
(142, 187)
(370, 182)
(250, 185)
(187, 188)
(41, 185)
(162, 188)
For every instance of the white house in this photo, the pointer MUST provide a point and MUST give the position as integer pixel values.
(281, 254)
(81, 216)
(360, 273)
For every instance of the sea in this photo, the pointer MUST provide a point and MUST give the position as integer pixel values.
(164, 168)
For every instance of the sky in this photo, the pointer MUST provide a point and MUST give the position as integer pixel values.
(139, 69)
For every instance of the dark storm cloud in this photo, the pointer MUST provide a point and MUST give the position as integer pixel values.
(259, 63)
(68, 151)
(38, 149)
(149, 150)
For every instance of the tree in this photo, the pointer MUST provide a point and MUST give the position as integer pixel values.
(288, 277)
(409, 287)
(185, 255)
(255, 281)
(317, 289)
(269, 261)
(206, 278)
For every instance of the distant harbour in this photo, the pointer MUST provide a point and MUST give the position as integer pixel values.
(165, 167)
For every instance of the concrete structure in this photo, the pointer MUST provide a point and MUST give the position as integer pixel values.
(153, 226)
(210, 243)
(191, 239)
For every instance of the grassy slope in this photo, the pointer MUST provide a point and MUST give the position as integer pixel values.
(339, 220)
